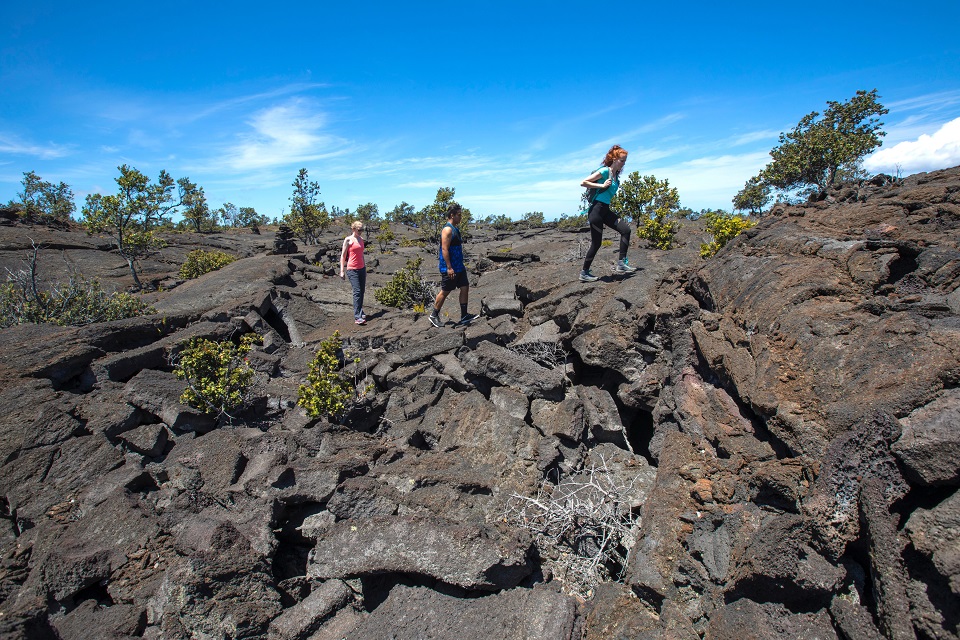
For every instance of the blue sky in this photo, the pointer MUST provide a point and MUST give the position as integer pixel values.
(511, 103)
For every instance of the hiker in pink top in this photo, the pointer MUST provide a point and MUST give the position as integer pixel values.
(353, 267)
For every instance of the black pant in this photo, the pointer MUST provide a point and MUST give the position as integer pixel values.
(600, 215)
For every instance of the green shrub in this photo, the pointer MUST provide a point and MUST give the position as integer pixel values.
(572, 222)
(219, 378)
(724, 227)
(659, 230)
(385, 236)
(407, 288)
(200, 262)
(77, 303)
(327, 393)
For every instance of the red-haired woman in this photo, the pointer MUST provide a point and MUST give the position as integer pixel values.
(604, 182)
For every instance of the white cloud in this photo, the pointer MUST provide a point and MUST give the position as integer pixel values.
(284, 135)
(712, 181)
(12, 144)
(927, 153)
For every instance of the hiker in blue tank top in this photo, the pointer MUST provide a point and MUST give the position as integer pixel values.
(603, 184)
(453, 273)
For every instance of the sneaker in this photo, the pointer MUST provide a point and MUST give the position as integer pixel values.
(623, 266)
(360, 321)
(435, 321)
(467, 319)
(586, 276)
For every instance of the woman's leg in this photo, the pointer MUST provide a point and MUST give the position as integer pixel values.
(596, 219)
(620, 225)
(354, 276)
(363, 286)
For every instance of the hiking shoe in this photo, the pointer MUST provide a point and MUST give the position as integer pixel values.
(435, 321)
(623, 266)
(586, 276)
(360, 321)
(467, 319)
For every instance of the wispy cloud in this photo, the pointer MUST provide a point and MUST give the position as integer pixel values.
(927, 153)
(14, 145)
(934, 101)
(753, 136)
(703, 182)
(283, 134)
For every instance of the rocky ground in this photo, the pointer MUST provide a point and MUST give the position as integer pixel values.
(781, 423)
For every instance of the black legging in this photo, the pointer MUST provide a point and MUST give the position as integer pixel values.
(600, 215)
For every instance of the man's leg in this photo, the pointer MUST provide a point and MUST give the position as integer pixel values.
(438, 303)
(464, 298)
(465, 318)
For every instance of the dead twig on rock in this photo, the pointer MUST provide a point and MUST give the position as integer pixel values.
(583, 526)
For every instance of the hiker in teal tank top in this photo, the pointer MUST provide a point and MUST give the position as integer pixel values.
(603, 184)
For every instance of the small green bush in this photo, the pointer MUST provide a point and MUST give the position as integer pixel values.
(327, 393)
(659, 230)
(200, 262)
(724, 227)
(78, 302)
(219, 378)
(572, 222)
(407, 288)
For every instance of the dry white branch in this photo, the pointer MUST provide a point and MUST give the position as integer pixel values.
(584, 526)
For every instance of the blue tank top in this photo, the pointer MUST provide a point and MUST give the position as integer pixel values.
(456, 251)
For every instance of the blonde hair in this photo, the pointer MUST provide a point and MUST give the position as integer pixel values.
(357, 224)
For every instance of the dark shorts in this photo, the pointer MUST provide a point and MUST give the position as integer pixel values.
(456, 281)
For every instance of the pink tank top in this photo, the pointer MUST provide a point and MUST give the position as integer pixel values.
(355, 253)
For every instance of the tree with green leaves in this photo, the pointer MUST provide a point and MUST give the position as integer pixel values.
(44, 201)
(196, 211)
(368, 213)
(432, 217)
(307, 217)
(500, 222)
(248, 217)
(653, 204)
(126, 215)
(229, 214)
(754, 196)
(385, 236)
(533, 219)
(822, 148)
(403, 213)
(639, 197)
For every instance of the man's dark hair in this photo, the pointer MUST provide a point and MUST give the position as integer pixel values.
(452, 210)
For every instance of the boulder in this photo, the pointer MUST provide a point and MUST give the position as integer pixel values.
(517, 614)
(306, 617)
(512, 370)
(749, 620)
(158, 393)
(929, 446)
(468, 556)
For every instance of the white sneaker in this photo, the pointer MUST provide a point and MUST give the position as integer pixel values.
(624, 267)
(586, 276)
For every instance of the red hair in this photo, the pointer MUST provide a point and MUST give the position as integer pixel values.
(616, 152)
